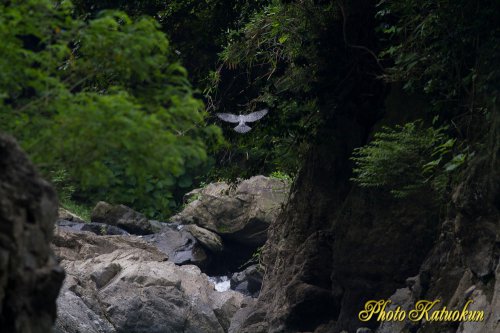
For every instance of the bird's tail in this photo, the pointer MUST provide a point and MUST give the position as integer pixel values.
(242, 128)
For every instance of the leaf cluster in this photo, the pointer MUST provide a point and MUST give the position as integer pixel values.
(104, 100)
(407, 160)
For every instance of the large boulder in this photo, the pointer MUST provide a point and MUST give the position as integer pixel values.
(207, 238)
(123, 284)
(241, 213)
(181, 246)
(123, 217)
(30, 278)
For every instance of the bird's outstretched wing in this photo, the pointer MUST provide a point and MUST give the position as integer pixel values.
(254, 116)
(229, 117)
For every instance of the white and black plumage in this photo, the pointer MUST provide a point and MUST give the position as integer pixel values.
(242, 119)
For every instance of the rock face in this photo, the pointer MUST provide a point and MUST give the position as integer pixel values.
(209, 239)
(30, 278)
(180, 246)
(94, 227)
(248, 282)
(123, 217)
(464, 263)
(336, 246)
(122, 284)
(319, 279)
(242, 213)
(66, 215)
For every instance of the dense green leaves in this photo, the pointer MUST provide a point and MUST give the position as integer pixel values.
(197, 29)
(407, 160)
(104, 101)
(447, 50)
(96, 91)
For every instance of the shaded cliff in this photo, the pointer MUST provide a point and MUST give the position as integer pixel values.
(29, 275)
(336, 246)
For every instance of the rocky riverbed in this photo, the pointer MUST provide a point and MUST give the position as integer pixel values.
(125, 273)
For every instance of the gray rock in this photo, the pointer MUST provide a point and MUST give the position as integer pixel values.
(245, 315)
(482, 302)
(364, 330)
(123, 284)
(30, 278)
(157, 225)
(209, 239)
(104, 275)
(403, 298)
(242, 213)
(123, 217)
(94, 227)
(64, 214)
(75, 315)
(180, 246)
(248, 282)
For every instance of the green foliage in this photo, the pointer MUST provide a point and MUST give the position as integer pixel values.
(100, 93)
(447, 50)
(103, 100)
(281, 176)
(271, 53)
(193, 198)
(274, 59)
(82, 210)
(65, 190)
(196, 28)
(407, 159)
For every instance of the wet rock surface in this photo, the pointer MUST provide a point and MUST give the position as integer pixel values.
(30, 278)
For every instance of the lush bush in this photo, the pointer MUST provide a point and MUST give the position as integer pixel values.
(104, 100)
(407, 159)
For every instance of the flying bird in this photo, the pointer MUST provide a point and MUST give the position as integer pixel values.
(242, 119)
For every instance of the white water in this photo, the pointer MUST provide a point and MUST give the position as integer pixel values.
(221, 283)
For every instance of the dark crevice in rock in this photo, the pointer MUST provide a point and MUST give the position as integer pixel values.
(231, 259)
